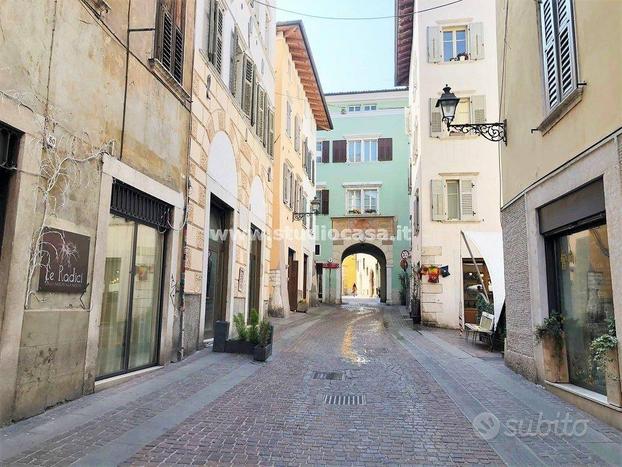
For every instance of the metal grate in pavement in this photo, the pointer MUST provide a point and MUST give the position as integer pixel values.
(344, 399)
(331, 375)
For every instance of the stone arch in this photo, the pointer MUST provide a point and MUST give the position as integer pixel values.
(378, 253)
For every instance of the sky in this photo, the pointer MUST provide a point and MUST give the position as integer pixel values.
(349, 55)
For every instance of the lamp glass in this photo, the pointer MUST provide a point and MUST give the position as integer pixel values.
(315, 205)
(448, 104)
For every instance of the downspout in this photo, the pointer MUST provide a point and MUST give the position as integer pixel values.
(182, 273)
(127, 72)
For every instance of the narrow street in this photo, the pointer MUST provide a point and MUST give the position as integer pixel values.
(346, 385)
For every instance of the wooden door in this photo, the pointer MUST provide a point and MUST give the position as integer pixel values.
(292, 282)
(304, 276)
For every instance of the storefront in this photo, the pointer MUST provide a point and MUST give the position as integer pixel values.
(132, 298)
(579, 281)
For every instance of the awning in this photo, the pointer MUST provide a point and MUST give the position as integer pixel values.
(490, 246)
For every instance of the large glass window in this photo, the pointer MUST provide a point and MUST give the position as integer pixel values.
(318, 151)
(582, 277)
(128, 337)
(363, 150)
(362, 201)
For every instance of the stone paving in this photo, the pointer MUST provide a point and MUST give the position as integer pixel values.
(387, 394)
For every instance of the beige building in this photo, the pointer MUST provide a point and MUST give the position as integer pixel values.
(94, 124)
(228, 236)
(562, 189)
(300, 111)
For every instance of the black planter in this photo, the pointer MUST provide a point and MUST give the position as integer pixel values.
(261, 353)
(236, 346)
(221, 332)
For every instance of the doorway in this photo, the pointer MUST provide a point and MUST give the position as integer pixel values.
(217, 265)
(292, 279)
(470, 281)
(363, 274)
(131, 308)
(254, 270)
(305, 265)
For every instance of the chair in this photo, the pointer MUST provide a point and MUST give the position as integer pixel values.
(483, 329)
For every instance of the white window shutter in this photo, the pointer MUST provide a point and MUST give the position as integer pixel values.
(567, 56)
(219, 40)
(549, 53)
(436, 120)
(476, 41)
(248, 79)
(478, 109)
(435, 44)
(438, 200)
(233, 64)
(285, 184)
(467, 199)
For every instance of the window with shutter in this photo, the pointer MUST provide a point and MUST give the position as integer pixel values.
(436, 120)
(435, 44)
(285, 184)
(270, 144)
(324, 201)
(248, 83)
(325, 152)
(288, 120)
(339, 150)
(234, 63)
(170, 37)
(438, 200)
(558, 50)
(297, 133)
(217, 52)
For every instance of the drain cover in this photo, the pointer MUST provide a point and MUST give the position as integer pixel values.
(344, 399)
(332, 375)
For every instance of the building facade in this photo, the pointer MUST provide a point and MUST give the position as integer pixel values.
(300, 111)
(562, 189)
(228, 235)
(94, 127)
(455, 177)
(362, 185)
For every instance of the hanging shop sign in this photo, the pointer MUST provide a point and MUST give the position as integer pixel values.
(64, 261)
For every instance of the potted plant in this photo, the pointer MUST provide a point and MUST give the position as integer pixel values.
(551, 334)
(242, 344)
(263, 349)
(302, 306)
(604, 351)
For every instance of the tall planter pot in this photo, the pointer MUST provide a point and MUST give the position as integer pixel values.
(261, 353)
(612, 378)
(555, 361)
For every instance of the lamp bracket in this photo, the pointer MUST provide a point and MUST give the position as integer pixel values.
(491, 131)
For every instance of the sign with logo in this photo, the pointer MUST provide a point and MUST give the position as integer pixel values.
(64, 261)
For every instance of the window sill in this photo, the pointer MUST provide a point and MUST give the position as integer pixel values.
(170, 82)
(560, 111)
(584, 394)
(460, 221)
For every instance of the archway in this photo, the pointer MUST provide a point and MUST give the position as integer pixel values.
(379, 256)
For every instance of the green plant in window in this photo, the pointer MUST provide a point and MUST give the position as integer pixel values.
(240, 326)
(553, 328)
(601, 346)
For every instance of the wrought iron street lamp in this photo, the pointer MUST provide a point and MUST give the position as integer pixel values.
(315, 206)
(448, 103)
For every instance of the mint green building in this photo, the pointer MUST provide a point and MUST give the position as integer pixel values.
(363, 187)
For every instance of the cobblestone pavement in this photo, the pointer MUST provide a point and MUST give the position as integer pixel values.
(347, 385)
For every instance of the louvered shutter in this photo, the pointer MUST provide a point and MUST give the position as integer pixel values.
(166, 40)
(270, 143)
(233, 63)
(219, 41)
(467, 200)
(567, 56)
(178, 68)
(549, 53)
(476, 41)
(248, 80)
(325, 201)
(285, 184)
(260, 128)
(325, 152)
(435, 44)
(438, 200)
(209, 34)
(478, 109)
(385, 149)
(436, 120)
(339, 150)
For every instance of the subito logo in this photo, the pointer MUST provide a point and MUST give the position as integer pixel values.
(486, 425)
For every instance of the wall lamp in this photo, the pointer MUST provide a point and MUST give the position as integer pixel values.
(448, 103)
(315, 207)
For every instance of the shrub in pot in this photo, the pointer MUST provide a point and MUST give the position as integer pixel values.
(242, 344)
(303, 306)
(263, 349)
(551, 334)
(604, 351)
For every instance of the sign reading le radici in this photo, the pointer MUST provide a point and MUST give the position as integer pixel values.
(64, 261)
